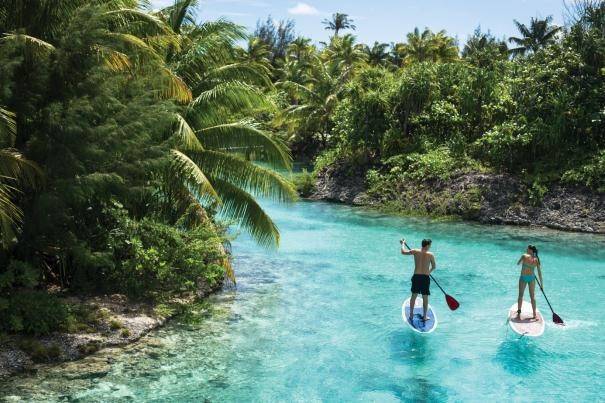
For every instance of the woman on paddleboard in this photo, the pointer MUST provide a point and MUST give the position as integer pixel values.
(529, 262)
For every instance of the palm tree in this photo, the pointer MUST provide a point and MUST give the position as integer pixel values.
(482, 49)
(428, 46)
(377, 54)
(344, 56)
(445, 48)
(211, 141)
(398, 54)
(15, 172)
(316, 100)
(338, 22)
(539, 34)
(419, 47)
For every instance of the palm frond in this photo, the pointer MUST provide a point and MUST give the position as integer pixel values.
(10, 215)
(183, 167)
(114, 60)
(14, 166)
(244, 72)
(29, 41)
(254, 179)
(245, 136)
(174, 86)
(235, 95)
(244, 209)
(8, 127)
(186, 135)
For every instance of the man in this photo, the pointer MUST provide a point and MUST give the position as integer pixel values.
(424, 262)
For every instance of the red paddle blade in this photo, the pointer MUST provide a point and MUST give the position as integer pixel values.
(557, 319)
(452, 303)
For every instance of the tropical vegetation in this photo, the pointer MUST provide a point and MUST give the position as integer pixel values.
(130, 139)
(133, 138)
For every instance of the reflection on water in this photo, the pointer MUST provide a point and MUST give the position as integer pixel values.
(519, 355)
(320, 320)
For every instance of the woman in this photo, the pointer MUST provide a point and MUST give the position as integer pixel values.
(530, 261)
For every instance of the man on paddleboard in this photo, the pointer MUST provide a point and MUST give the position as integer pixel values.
(424, 264)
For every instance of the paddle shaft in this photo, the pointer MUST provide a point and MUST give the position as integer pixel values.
(545, 297)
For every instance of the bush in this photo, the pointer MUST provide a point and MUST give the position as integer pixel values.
(438, 163)
(536, 193)
(33, 312)
(39, 352)
(305, 183)
(155, 260)
(115, 324)
(592, 174)
(325, 159)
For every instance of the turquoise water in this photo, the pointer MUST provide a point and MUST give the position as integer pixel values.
(320, 320)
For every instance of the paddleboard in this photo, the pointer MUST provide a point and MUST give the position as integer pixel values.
(524, 324)
(417, 324)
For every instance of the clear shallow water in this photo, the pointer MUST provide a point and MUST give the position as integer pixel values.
(320, 320)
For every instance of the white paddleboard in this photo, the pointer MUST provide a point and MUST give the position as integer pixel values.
(417, 324)
(524, 324)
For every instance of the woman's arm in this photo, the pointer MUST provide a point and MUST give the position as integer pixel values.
(521, 259)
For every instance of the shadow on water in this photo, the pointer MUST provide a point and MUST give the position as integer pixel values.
(410, 347)
(520, 356)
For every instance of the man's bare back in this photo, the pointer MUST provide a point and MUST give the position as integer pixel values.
(423, 261)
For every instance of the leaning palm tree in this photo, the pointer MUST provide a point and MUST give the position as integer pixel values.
(539, 34)
(213, 131)
(339, 22)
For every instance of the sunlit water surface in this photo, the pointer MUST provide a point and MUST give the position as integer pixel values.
(320, 320)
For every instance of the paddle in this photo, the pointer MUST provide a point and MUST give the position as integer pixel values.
(555, 318)
(451, 301)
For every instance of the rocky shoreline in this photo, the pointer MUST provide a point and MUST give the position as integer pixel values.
(482, 197)
(115, 322)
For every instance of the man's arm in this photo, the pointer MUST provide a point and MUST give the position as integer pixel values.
(433, 264)
(403, 251)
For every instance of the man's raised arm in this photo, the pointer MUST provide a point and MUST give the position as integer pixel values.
(403, 251)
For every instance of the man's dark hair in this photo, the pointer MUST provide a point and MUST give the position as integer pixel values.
(426, 242)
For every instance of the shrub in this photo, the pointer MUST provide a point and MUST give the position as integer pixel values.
(305, 183)
(326, 158)
(592, 174)
(115, 324)
(536, 193)
(156, 260)
(39, 352)
(125, 333)
(33, 312)
(438, 163)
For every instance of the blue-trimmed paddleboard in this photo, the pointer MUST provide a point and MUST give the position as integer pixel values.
(417, 324)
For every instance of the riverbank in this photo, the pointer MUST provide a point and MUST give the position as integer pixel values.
(483, 197)
(103, 322)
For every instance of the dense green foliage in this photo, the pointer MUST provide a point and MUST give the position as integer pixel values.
(421, 110)
(125, 134)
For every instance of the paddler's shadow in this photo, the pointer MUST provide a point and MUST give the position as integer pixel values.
(410, 347)
(519, 356)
